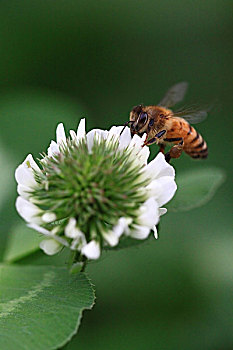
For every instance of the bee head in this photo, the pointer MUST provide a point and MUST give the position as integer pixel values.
(138, 120)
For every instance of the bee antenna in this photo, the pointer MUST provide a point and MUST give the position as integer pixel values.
(126, 124)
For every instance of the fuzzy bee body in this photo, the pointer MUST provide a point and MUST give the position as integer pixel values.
(194, 144)
(163, 126)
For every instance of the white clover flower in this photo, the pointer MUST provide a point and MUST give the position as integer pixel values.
(93, 189)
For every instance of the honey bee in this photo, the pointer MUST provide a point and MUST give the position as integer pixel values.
(163, 126)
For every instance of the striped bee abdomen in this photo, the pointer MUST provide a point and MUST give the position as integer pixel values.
(194, 144)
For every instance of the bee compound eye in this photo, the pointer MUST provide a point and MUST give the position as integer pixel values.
(143, 117)
(151, 122)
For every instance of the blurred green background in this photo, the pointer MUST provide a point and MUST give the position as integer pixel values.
(63, 60)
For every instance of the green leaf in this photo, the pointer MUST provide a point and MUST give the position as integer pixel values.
(196, 188)
(39, 258)
(41, 306)
(22, 241)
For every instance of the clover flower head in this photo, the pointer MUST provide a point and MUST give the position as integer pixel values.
(92, 189)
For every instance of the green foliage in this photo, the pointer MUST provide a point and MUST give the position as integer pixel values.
(22, 242)
(195, 188)
(41, 307)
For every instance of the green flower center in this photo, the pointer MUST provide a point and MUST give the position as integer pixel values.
(95, 188)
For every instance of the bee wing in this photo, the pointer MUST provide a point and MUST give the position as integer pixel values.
(192, 116)
(174, 95)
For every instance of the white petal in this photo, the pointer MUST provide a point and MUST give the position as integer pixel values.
(158, 167)
(31, 163)
(122, 226)
(156, 236)
(28, 211)
(50, 246)
(144, 154)
(149, 215)
(114, 133)
(81, 131)
(90, 140)
(125, 139)
(140, 153)
(24, 176)
(91, 250)
(73, 135)
(49, 217)
(98, 134)
(71, 230)
(111, 238)
(55, 230)
(53, 149)
(79, 242)
(24, 173)
(60, 133)
(140, 232)
(136, 144)
(162, 211)
(154, 189)
(115, 130)
(163, 189)
(24, 191)
(39, 229)
(47, 233)
(169, 189)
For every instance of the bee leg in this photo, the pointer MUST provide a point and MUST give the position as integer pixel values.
(154, 139)
(175, 151)
(162, 148)
(150, 142)
(160, 134)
